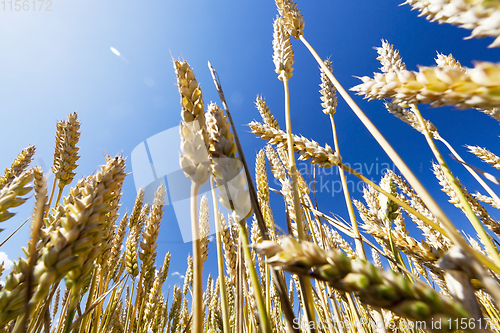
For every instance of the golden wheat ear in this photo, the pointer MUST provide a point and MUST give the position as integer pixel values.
(437, 86)
(19, 165)
(382, 289)
(389, 57)
(11, 195)
(478, 16)
(292, 19)
(66, 151)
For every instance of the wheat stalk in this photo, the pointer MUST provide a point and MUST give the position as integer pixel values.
(329, 98)
(485, 155)
(292, 22)
(194, 162)
(231, 181)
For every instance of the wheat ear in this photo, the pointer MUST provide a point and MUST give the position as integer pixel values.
(102, 187)
(307, 149)
(265, 112)
(409, 117)
(477, 16)
(66, 151)
(10, 195)
(147, 254)
(219, 231)
(119, 236)
(225, 166)
(485, 155)
(486, 199)
(148, 245)
(73, 246)
(329, 98)
(437, 86)
(292, 19)
(383, 289)
(19, 165)
(389, 57)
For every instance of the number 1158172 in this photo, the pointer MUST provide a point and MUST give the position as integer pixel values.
(26, 5)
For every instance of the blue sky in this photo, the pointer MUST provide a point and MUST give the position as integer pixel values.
(53, 63)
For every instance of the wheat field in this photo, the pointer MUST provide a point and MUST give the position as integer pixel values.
(396, 262)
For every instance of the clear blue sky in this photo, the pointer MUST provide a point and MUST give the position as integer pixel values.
(53, 63)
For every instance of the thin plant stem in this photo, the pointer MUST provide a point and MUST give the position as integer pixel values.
(64, 310)
(309, 221)
(261, 306)
(239, 290)
(293, 168)
(136, 303)
(69, 317)
(220, 261)
(355, 314)
(463, 201)
(110, 308)
(357, 236)
(337, 313)
(51, 196)
(129, 306)
(197, 263)
(305, 282)
(36, 323)
(12, 234)
(99, 291)
(89, 301)
(59, 194)
(268, 290)
(278, 279)
(139, 322)
(324, 303)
